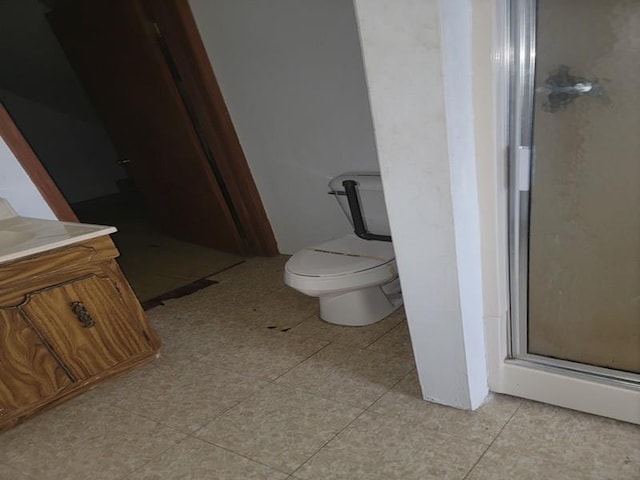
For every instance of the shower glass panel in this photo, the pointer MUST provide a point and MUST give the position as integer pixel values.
(579, 217)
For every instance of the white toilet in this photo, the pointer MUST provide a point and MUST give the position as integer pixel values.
(354, 277)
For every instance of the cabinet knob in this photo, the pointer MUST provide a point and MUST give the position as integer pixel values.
(83, 314)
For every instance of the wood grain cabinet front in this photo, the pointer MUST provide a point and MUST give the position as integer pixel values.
(29, 372)
(68, 320)
(87, 324)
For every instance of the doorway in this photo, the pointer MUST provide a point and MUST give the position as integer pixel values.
(150, 157)
(574, 196)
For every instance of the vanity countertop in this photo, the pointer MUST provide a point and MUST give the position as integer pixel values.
(23, 236)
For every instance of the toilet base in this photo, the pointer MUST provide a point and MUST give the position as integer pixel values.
(358, 308)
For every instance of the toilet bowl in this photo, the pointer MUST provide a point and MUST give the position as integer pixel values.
(354, 277)
(355, 280)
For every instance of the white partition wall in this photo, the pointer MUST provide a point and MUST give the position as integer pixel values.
(417, 57)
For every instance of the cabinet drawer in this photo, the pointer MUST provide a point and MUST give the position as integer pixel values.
(29, 373)
(87, 323)
(36, 269)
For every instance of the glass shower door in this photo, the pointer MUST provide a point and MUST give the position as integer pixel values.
(578, 211)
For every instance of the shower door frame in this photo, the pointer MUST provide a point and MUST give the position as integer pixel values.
(522, 18)
(512, 370)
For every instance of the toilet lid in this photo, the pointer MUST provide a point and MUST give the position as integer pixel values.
(343, 256)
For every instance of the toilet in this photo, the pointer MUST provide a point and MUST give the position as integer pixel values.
(354, 277)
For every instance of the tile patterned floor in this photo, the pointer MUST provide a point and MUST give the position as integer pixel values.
(252, 385)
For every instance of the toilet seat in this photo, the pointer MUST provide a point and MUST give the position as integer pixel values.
(339, 265)
(354, 277)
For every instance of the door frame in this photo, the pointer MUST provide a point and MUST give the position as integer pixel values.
(31, 164)
(508, 375)
(522, 41)
(176, 24)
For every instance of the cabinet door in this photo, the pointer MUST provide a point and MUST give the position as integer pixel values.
(29, 373)
(87, 323)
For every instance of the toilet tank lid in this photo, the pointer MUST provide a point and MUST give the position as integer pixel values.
(365, 180)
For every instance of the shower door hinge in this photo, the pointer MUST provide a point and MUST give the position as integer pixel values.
(523, 168)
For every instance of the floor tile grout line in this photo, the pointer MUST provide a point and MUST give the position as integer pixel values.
(145, 417)
(254, 379)
(393, 355)
(368, 409)
(153, 458)
(315, 394)
(388, 390)
(199, 360)
(530, 456)
(386, 332)
(489, 443)
(195, 432)
(186, 435)
(492, 442)
(236, 372)
(333, 340)
(301, 362)
(273, 382)
(438, 432)
(227, 410)
(227, 449)
(194, 435)
(327, 442)
(347, 425)
(251, 379)
(190, 432)
(226, 269)
(257, 328)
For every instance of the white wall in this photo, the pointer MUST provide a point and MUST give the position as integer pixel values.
(46, 100)
(18, 189)
(417, 56)
(292, 76)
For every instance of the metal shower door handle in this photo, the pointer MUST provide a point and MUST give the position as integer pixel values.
(562, 88)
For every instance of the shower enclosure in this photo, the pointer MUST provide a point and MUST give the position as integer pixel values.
(575, 187)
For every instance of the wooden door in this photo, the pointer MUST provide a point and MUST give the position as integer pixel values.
(29, 373)
(114, 49)
(87, 324)
(178, 32)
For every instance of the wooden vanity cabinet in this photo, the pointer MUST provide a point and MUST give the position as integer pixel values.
(88, 325)
(68, 319)
(29, 373)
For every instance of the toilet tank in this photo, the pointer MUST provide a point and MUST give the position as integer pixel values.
(374, 210)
